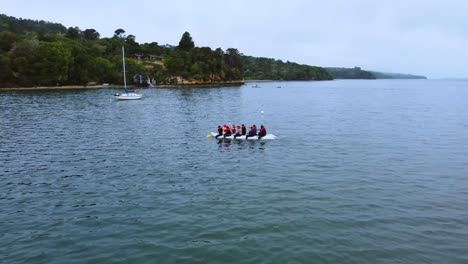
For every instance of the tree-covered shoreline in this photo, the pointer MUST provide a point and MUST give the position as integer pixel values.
(39, 53)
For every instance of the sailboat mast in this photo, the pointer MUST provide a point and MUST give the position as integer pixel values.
(123, 62)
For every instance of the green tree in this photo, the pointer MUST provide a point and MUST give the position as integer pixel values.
(73, 33)
(103, 71)
(119, 33)
(91, 34)
(132, 45)
(6, 74)
(186, 43)
(53, 61)
(158, 73)
(22, 60)
(8, 40)
(80, 70)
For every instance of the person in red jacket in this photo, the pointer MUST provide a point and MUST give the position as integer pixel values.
(227, 132)
(262, 132)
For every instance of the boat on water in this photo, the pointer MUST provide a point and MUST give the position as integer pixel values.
(267, 137)
(127, 95)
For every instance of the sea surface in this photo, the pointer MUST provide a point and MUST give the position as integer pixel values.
(361, 172)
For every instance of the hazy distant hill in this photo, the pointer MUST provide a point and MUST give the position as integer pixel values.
(358, 73)
(386, 75)
(349, 73)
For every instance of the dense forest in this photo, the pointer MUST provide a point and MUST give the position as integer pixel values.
(40, 53)
(271, 69)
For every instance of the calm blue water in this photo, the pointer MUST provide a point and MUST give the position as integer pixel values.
(361, 172)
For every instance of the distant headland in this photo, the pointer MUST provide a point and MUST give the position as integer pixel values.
(358, 73)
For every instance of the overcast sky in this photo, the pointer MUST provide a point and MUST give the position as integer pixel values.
(414, 36)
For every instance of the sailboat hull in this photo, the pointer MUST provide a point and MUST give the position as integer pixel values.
(129, 96)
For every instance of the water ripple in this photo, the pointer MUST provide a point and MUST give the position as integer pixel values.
(361, 172)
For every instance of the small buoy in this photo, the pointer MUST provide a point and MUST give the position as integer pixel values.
(208, 136)
(262, 112)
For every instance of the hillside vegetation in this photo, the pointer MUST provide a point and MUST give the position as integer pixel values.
(271, 69)
(40, 53)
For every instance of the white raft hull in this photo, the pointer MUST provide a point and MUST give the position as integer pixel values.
(267, 137)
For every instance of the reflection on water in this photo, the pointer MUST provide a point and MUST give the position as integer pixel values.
(226, 145)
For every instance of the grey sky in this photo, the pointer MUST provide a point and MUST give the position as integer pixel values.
(419, 37)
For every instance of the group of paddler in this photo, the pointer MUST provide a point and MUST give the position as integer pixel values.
(226, 131)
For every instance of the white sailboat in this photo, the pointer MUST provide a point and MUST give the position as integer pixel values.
(127, 95)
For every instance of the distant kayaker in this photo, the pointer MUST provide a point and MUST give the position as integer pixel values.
(220, 132)
(244, 130)
(262, 132)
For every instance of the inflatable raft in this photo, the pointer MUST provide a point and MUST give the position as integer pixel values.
(267, 137)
